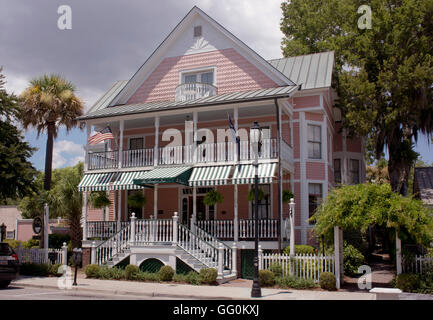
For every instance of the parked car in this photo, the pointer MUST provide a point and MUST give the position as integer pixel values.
(9, 265)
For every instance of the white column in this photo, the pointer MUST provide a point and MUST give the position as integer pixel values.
(292, 227)
(220, 260)
(132, 239)
(236, 124)
(303, 175)
(93, 253)
(260, 257)
(46, 229)
(84, 211)
(194, 208)
(195, 119)
(122, 127)
(325, 154)
(398, 253)
(64, 254)
(155, 156)
(119, 208)
(175, 221)
(155, 202)
(86, 162)
(236, 215)
(234, 259)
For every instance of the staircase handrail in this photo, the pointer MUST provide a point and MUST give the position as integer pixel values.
(108, 248)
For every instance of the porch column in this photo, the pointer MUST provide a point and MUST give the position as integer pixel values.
(155, 157)
(195, 119)
(84, 211)
(236, 215)
(236, 116)
(119, 208)
(280, 177)
(194, 208)
(155, 202)
(122, 126)
(86, 162)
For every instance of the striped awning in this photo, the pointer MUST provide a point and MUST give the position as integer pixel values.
(210, 176)
(125, 181)
(178, 175)
(244, 174)
(96, 181)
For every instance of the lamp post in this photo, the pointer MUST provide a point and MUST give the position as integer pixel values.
(255, 140)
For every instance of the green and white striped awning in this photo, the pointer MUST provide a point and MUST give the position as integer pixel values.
(96, 181)
(125, 180)
(210, 176)
(178, 175)
(244, 174)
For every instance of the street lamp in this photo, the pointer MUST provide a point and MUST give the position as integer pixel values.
(255, 140)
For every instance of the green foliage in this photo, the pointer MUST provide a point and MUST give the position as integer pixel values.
(385, 87)
(92, 270)
(353, 259)
(12, 243)
(328, 281)
(294, 282)
(130, 271)
(266, 278)
(166, 273)
(212, 198)
(360, 206)
(99, 199)
(137, 200)
(180, 278)
(147, 276)
(111, 273)
(54, 269)
(35, 269)
(193, 278)
(425, 283)
(251, 194)
(407, 282)
(31, 243)
(208, 275)
(276, 269)
(56, 240)
(301, 249)
(287, 195)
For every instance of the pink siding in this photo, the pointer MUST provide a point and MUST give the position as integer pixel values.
(234, 73)
(25, 232)
(353, 145)
(313, 116)
(296, 140)
(305, 102)
(315, 171)
(228, 203)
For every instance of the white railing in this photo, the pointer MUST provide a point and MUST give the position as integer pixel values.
(171, 155)
(111, 247)
(221, 229)
(192, 91)
(104, 229)
(137, 158)
(37, 255)
(286, 152)
(306, 266)
(103, 160)
(417, 264)
(153, 230)
(268, 229)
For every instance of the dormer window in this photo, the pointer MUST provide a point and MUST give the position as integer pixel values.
(197, 31)
(201, 77)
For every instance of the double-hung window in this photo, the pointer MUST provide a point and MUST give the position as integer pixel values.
(200, 77)
(314, 197)
(337, 170)
(354, 171)
(314, 142)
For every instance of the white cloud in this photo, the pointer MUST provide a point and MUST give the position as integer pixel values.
(66, 152)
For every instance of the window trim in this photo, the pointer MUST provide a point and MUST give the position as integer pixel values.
(319, 125)
(341, 176)
(321, 196)
(199, 70)
(358, 171)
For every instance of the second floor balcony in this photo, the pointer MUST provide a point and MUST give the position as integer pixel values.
(221, 152)
(195, 90)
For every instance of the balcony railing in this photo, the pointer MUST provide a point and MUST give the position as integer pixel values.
(104, 229)
(195, 90)
(206, 153)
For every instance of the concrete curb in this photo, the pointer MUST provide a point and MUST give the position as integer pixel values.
(129, 293)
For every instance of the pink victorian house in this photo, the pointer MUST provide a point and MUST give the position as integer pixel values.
(181, 127)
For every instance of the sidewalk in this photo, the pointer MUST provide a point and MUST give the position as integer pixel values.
(183, 291)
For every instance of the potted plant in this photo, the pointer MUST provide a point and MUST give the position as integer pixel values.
(99, 200)
(287, 195)
(212, 198)
(251, 194)
(136, 200)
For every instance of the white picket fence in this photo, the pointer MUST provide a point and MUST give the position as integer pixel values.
(37, 255)
(418, 264)
(307, 266)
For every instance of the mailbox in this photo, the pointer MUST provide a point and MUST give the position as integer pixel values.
(77, 257)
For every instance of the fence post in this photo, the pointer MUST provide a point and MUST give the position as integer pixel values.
(93, 253)
(260, 257)
(220, 260)
(292, 227)
(64, 254)
(132, 239)
(337, 253)
(398, 252)
(175, 219)
(20, 252)
(234, 259)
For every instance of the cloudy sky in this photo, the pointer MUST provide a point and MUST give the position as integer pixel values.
(109, 41)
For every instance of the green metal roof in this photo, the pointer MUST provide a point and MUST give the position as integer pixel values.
(178, 175)
(125, 180)
(244, 174)
(260, 94)
(210, 176)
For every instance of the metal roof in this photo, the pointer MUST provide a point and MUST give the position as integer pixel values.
(224, 98)
(105, 100)
(423, 184)
(312, 70)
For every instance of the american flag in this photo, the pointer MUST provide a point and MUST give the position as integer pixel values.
(102, 135)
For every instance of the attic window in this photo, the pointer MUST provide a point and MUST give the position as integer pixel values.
(197, 31)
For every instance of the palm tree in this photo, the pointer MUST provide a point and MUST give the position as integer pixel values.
(48, 103)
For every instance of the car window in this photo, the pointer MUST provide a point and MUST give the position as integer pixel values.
(5, 250)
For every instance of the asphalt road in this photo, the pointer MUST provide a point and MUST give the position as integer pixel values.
(21, 293)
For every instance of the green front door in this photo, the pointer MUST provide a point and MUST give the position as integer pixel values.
(247, 264)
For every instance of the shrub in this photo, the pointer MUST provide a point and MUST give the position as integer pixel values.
(301, 249)
(92, 271)
(12, 243)
(266, 278)
(56, 240)
(193, 277)
(180, 278)
(146, 276)
(35, 269)
(426, 283)
(407, 282)
(276, 269)
(294, 282)
(328, 281)
(130, 271)
(54, 268)
(104, 273)
(31, 243)
(353, 259)
(166, 273)
(208, 275)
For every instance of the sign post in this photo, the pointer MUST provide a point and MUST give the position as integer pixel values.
(46, 223)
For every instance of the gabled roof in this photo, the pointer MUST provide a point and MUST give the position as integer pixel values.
(139, 77)
(105, 100)
(312, 71)
(423, 184)
(253, 95)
